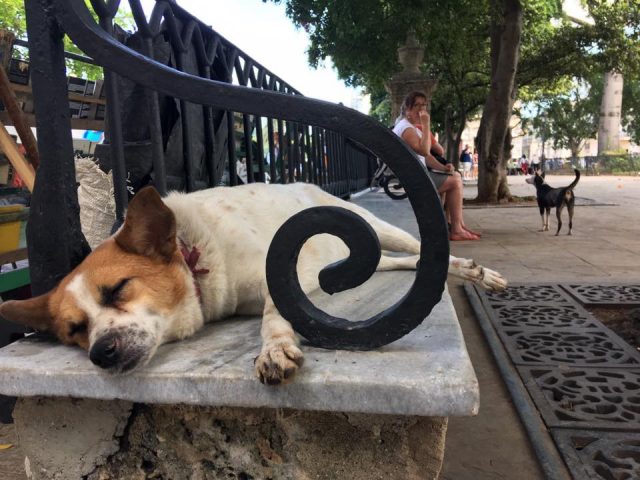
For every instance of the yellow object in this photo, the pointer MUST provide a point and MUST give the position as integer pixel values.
(11, 208)
(11, 218)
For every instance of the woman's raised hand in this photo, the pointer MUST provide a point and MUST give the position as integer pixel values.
(425, 120)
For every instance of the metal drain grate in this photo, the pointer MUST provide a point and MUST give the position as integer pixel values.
(598, 455)
(542, 316)
(597, 348)
(528, 293)
(606, 295)
(586, 398)
(579, 374)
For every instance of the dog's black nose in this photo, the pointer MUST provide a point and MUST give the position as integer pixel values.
(104, 352)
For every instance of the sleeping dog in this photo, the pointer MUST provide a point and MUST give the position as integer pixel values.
(191, 258)
(548, 197)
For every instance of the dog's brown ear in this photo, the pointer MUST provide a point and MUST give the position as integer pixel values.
(149, 228)
(33, 312)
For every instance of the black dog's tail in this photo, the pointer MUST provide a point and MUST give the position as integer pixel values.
(575, 182)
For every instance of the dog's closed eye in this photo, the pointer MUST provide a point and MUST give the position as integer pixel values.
(77, 328)
(110, 296)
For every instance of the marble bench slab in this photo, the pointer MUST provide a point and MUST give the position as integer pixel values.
(426, 373)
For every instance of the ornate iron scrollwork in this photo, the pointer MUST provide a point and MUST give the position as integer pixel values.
(319, 328)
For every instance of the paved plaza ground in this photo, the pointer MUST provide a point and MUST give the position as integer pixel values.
(604, 246)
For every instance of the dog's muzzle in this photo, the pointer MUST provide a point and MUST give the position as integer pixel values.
(114, 353)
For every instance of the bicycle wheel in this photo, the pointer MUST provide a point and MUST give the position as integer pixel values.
(393, 188)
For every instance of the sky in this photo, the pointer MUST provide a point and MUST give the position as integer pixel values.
(265, 33)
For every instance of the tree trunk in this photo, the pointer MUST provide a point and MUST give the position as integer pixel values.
(503, 186)
(506, 30)
(610, 110)
(448, 134)
(575, 146)
(462, 123)
(453, 138)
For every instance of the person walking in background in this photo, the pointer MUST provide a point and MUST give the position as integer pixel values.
(414, 127)
(466, 162)
(474, 168)
(523, 165)
(535, 164)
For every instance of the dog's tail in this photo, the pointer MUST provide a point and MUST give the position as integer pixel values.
(576, 180)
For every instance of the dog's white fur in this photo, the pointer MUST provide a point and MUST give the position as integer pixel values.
(138, 295)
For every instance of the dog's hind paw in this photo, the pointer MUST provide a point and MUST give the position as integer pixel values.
(486, 278)
(278, 363)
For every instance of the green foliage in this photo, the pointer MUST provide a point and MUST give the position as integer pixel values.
(381, 107)
(536, 111)
(457, 54)
(631, 107)
(614, 39)
(619, 164)
(570, 119)
(13, 18)
(362, 37)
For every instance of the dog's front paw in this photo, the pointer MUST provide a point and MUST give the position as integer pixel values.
(278, 363)
(492, 280)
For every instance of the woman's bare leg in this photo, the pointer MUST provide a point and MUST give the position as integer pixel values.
(453, 187)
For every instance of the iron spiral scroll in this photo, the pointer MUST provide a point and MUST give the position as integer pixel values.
(318, 327)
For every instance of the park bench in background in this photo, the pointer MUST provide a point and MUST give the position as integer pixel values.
(196, 407)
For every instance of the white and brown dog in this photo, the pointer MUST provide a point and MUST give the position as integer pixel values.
(192, 258)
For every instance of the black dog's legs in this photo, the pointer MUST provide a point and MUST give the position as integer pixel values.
(545, 220)
(558, 216)
(570, 205)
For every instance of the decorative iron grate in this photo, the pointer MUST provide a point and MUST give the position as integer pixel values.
(542, 316)
(582, 377)
(600, 455)
(606, 295)
(528, 294)
(555, 347)
(585, 398)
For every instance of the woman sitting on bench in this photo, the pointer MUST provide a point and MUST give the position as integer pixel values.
(414, 127)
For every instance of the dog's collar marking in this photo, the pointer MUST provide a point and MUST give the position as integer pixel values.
(191, 258)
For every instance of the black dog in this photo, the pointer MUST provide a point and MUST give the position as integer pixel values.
(548, 197)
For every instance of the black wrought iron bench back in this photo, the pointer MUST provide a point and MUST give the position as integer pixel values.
(323, 143)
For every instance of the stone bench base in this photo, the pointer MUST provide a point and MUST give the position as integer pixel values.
(69, 438)
(197, 411)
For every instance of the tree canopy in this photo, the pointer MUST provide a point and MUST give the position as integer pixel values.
(362, 37)
(569, 120)
(13, 18)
